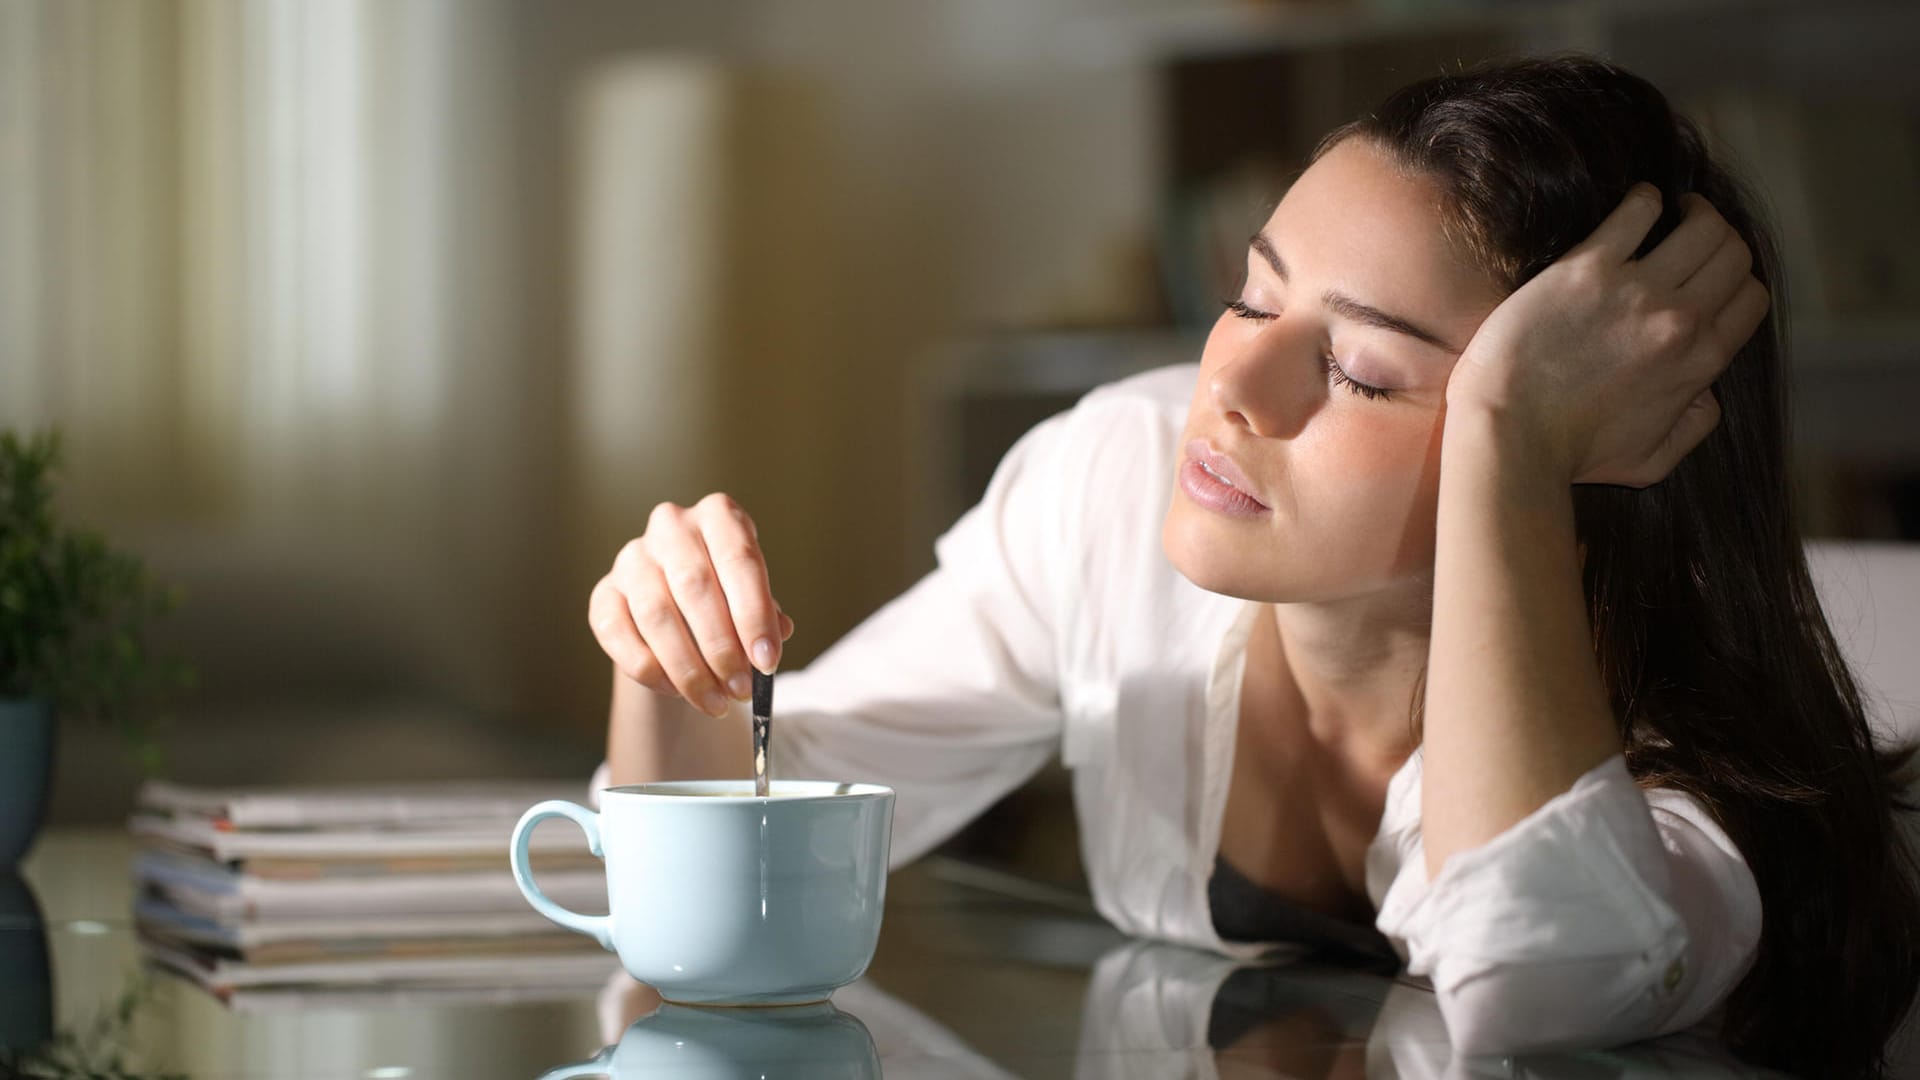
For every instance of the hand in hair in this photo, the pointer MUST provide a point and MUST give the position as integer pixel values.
(1603, 363)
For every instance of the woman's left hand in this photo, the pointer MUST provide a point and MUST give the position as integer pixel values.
(1601, 364)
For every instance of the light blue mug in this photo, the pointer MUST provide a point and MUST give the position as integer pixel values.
(719, 897)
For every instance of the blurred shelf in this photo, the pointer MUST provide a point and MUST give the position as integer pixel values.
(1225, 30)
(1055, 363)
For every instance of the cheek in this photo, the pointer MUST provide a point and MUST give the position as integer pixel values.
(1376, 480)
(1389, 453)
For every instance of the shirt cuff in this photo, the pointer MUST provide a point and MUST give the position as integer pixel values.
(1571, 901)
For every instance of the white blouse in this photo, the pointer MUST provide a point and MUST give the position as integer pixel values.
(1055, 624)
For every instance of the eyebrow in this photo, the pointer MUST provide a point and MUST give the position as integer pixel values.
(1346, 306)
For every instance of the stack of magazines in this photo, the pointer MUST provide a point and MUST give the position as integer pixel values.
(258, 887)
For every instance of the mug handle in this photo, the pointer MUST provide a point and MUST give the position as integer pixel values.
(597, 927)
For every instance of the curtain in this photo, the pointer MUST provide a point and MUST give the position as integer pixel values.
(254, 266)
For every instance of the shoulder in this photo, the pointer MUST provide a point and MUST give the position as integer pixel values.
(1119, 438)
(1113, 450)
(1122, 446)
(1108, 459)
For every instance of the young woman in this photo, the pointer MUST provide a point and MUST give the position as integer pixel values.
(1451, 606)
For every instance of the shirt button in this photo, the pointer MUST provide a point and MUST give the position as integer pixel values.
(1675, 972)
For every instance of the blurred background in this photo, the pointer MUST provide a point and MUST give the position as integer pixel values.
(378, 325)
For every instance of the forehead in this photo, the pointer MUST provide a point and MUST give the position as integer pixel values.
(1358, 222)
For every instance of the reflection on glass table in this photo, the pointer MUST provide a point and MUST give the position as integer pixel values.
(26, 1006)
(976, 976)
(1149, 1011)
(807, 1042)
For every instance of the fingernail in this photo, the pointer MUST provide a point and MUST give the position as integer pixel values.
(741, 686)
(716, 702)
(763, 655)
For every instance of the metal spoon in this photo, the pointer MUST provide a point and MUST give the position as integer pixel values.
(762, 731)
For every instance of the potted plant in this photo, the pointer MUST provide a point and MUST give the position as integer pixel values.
(73, 621)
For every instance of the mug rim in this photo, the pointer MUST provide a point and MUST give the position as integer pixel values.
(727, 795)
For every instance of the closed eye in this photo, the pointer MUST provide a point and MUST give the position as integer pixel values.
(1336, 374)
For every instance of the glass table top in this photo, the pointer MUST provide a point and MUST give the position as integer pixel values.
(978, 975)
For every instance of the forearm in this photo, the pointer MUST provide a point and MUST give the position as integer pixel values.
(1515, 709)
(653, 737)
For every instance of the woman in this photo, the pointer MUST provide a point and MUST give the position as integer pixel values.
(1459, 610)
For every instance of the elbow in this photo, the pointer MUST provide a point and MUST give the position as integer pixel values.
(1575, 1004)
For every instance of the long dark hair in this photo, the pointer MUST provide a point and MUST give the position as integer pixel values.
(1724, 676)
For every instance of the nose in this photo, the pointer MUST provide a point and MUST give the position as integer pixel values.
(1269, 380)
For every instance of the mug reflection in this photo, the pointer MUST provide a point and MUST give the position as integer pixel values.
(901, 1040)
(791, 1042)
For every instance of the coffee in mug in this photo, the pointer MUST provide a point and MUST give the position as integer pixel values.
(717, 896)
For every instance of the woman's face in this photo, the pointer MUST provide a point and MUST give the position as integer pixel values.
(1296, 482)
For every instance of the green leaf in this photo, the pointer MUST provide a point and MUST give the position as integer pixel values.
(73, 611)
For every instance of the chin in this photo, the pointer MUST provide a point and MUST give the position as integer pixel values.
(1203, 558)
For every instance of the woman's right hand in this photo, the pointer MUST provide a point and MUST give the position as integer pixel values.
(687, 603)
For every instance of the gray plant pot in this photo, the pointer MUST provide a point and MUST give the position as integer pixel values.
(26, 772)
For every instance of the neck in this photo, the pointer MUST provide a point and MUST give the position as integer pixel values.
(1353, 665)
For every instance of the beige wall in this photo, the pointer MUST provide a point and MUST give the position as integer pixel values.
(324, 350)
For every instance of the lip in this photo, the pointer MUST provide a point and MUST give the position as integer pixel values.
(1202, 452)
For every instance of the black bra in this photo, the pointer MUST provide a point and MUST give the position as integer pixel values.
(1246, 911)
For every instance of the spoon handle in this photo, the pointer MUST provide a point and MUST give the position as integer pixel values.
(762, 732)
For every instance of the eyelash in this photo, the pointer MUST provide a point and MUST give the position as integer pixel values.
(1334, 370)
